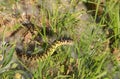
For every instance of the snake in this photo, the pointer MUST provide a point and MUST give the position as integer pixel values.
(31, 60)
(48, 52)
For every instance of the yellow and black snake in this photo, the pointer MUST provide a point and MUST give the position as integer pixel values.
(47, 53)
(31, 60)
(28, 59)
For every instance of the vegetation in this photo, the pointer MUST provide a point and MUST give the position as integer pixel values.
(95, 33)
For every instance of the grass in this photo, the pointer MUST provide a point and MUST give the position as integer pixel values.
(95, 50)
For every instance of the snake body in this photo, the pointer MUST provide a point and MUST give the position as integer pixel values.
(31, 60)
(48, 52)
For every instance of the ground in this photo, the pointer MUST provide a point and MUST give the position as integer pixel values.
(35, 30)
